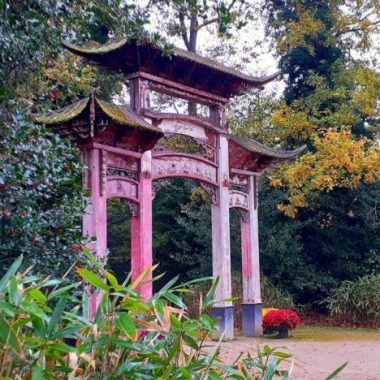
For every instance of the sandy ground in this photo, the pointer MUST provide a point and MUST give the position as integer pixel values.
(317, 359)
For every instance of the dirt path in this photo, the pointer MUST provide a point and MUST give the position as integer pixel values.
(329, 349)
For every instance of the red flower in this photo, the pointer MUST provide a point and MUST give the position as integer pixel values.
(56, 94)
(35, 240)
(274, 319)
(24, 213)
(77, 248)
(42, 249)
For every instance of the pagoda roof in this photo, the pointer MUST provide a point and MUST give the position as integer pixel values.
(120, 115)
(252, 155)
(178, 65)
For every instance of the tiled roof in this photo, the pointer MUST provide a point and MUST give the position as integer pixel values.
(131, 55)
(255, 147)
(185, 54)
(120, 115)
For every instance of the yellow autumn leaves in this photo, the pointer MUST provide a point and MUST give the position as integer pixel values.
(339, 160)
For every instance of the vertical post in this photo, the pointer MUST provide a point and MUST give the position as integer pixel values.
(251, 305)
(141, 228)
(95, 217)
(221, 258)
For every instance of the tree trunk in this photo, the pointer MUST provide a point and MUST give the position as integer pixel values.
(192, 46)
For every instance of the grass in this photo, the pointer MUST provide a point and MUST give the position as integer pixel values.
(337, 334)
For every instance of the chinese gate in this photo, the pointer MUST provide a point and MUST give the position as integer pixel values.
(130, 152)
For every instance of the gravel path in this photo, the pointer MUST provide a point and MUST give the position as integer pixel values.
(317, 359)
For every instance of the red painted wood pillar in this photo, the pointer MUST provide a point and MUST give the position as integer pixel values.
(95, 217)
(141, 228)
(221, 257)
(251, 305)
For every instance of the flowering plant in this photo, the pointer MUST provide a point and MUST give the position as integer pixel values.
(274, 319)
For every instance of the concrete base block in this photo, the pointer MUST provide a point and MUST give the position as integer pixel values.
(226, 320)
(251, 317)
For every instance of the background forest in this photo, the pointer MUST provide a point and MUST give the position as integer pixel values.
(319, 222)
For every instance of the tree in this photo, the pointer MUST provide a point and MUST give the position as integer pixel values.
(329, 103)
(42, 201)
(330, 100)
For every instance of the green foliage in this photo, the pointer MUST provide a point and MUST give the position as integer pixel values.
(358, 300)
(129, 338)
(42, 201)
(335, 241)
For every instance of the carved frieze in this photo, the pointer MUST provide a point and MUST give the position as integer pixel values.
(183, 128)
(125, 173)
(183, 167)
(186, 144)
(120, 188)
(238, 199)
(239, 183)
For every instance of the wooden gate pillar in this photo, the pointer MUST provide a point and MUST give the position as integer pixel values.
(141, 228)
(221, 258)
(95, 216)
(251, 305)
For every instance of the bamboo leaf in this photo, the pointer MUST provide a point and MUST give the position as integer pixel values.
(11, 271)
(337, 371)
(127, 324)
(92, 278)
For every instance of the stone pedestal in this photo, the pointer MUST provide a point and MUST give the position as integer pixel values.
(226, 320)
(251, 317)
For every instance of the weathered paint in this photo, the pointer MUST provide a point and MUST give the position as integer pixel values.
(251, 305)
(251, 319)
(95, 217)
(238, 199)
(226, 321)
(121, 188)
(221, 257)
(141, 228)
(250, 249)
(184, 128)
(184, 166)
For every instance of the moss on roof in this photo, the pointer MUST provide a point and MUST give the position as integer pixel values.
(122, 116)
(255, 147)
(65, 114)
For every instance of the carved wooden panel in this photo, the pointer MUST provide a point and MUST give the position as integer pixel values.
(184, 128)
(186, 144)
(238, 199)
(117, 161)
(174, 166)
(121, 188)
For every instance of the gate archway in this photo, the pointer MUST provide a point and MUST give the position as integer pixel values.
(124, 157)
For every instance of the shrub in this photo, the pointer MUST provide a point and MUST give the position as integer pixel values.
(356, 300)
(275, 319)
(272, 296)
(128, 339)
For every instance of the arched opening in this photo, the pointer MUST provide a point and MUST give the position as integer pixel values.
(182, 236)
(119, 237)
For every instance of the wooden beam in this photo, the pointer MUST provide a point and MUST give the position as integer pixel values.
(245, 172)
(177, 89)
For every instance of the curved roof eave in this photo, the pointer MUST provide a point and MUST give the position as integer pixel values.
(94, 52)
(253, 146)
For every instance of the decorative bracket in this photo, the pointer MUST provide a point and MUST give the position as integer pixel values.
(103, 171)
